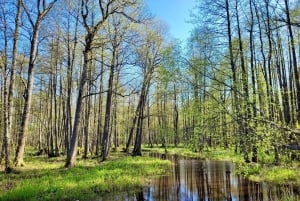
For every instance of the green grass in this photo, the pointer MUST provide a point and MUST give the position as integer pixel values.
(46, 179)
(274, 174)
(207, 153)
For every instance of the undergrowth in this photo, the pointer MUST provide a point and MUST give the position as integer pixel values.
(46, 179)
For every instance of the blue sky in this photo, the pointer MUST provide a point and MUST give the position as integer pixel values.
(175, 13)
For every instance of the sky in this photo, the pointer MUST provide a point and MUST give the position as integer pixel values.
(175, 13)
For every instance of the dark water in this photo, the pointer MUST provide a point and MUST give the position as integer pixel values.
(196, 180)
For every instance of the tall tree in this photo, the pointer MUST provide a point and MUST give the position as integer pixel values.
(107, 9)
(8, 95)
(148, 54)
(42, 9)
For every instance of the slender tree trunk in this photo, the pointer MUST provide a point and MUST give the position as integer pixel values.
(106, 137)
(294, 58)
(87, 125)
(5, 108)
(245, 103)
(236, 103)
(137, 150)
(253, 81)
(19, 158)
(175, 117)
(135, 117)
(99, 125)
(71, 60)
(71, 156)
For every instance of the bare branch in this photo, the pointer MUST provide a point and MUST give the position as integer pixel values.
(27, 13)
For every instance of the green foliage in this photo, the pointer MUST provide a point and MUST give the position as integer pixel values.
(41, 181)
(248, 170)
(280, 175)
(271, 174)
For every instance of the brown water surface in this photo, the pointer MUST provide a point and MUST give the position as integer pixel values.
(198, 180)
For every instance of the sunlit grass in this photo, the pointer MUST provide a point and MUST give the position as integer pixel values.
(46, 179)
(281, 175)
(207, 153)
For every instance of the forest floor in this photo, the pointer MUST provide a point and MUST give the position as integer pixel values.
(44, 178)
(287, 172)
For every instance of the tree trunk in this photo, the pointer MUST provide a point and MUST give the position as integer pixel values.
(244, 137)
(8, 105)
(106, 137)
(137, 150)
(19, 158)
(294, 58)
(135, 118)
(253, 81)
(71, 156)
(175, 118)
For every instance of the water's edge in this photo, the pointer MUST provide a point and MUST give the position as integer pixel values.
(205, 180)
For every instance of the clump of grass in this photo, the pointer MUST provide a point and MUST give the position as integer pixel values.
(281, 175)
(271, 174)
(249, 170)
(84, 182)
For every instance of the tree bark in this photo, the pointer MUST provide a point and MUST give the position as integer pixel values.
(106, 137)
(294, 58)
(71, 156)
(137, 150)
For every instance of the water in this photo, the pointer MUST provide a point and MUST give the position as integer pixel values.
(196, 180)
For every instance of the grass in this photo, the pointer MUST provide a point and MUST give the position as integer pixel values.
(46, 179)
(271, 174)
(207, 153)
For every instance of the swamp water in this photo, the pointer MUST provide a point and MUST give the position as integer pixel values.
(198, 180)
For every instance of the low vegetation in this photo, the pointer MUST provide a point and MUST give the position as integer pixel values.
(207, 153)
(282, 174)
(47, 179)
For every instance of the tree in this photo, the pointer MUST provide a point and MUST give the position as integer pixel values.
(148, 55)
(107, 9)
(8, 91)
(42, 10)
(116, 32)
(8, 111)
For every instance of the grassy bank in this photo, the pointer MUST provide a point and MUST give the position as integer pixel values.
(285, 173)
(281, 174)
(212, 154)
(46, 179)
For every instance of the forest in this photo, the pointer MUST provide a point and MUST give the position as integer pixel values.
(85, 78)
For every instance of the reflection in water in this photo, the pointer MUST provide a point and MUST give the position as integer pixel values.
(195, 180)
